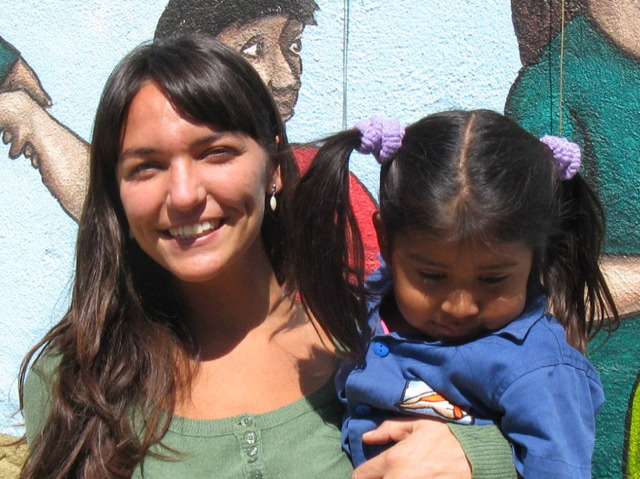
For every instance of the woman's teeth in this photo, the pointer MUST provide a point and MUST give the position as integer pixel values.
(193, 231)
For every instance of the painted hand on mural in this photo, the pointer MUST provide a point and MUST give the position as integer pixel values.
(22, 77)
(59, 155)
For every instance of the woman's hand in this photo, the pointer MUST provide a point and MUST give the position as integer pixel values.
(424, 448)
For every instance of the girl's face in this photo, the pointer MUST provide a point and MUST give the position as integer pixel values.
(193, 195)
(456, 291)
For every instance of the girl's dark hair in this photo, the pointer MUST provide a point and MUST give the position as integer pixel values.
(458, 175)
(122, 348)
(213, 16)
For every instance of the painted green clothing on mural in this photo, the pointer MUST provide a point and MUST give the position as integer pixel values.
(301, 440)
(633, 439)
(617, 360)
(601, 107)
(8, 57)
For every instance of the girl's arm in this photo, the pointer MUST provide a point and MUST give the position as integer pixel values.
(428, 448)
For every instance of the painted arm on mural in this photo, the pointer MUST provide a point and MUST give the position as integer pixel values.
(59, 154)
(623, 275)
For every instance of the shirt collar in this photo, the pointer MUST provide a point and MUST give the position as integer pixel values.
(518, 329)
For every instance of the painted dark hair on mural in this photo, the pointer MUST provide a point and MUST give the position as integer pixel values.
(121, 346)
(213, 16)
(458, 175)
(537, 23)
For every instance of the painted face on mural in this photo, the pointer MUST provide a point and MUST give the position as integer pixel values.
(272, 45)
(620, 21)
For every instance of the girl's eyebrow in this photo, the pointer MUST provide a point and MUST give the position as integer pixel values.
(502, 265)
(417, 257)
(506, 264)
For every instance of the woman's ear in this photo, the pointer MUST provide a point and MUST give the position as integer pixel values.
(275, 179)
(383, 238)
(276, 176)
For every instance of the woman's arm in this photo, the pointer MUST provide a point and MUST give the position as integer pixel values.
(428, 448)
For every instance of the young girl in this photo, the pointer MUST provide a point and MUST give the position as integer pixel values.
(490, 292)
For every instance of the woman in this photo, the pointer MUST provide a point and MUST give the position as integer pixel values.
(177, 304)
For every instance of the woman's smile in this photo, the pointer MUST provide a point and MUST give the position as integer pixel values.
(195, 230)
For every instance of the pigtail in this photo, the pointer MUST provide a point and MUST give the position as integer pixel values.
(576, 287)
(327, 257)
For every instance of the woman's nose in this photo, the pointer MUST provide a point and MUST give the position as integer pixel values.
(185, 188)
(460, 304)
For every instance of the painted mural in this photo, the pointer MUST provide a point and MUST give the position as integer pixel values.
(584, 80)
(404, 60)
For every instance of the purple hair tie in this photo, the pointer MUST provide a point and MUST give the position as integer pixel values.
(566, 155)
(380, 136)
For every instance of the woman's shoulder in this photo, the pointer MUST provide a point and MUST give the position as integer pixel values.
(37, 392)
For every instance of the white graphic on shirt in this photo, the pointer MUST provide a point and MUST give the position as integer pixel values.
(419, 398)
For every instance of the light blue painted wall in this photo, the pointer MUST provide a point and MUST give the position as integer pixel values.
(406, 59)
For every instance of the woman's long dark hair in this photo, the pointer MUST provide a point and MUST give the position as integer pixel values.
(458, 175)
(122, 349)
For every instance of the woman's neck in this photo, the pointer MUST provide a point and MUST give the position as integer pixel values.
(258, 352)
(243, 298)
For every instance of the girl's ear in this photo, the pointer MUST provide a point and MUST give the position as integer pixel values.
(383, 238)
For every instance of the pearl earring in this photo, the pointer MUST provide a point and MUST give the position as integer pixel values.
(273, 203)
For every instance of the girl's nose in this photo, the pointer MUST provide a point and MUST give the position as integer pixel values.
(460, 304)
(185, 188)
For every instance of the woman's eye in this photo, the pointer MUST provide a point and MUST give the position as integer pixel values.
(493, 279)
(142, 170)
(219, 154)
(252, 49)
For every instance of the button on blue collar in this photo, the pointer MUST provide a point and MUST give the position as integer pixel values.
(380, 349)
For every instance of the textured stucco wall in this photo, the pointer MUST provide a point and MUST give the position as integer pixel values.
(404, 59)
